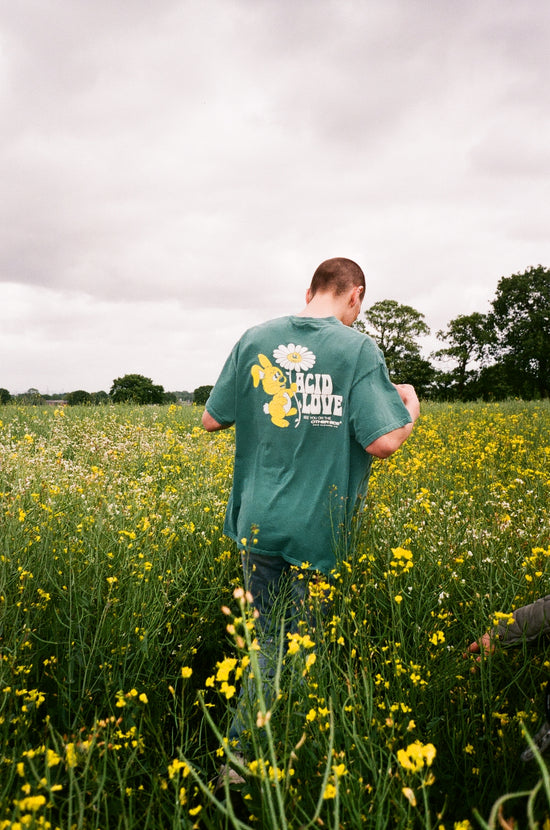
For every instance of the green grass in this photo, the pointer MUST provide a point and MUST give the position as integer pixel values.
(113, 574)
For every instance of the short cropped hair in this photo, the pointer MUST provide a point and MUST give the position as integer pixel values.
(337, 276)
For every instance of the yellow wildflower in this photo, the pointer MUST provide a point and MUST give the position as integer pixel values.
(416, 756)
(330, 791)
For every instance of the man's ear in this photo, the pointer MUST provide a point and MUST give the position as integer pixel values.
(309, 296)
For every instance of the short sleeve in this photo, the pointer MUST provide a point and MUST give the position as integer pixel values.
(375, 406)
(221, 404)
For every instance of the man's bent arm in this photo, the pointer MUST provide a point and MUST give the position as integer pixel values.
(387, 444)
(210, 424)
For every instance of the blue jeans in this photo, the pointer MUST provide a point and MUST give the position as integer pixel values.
(280, 592)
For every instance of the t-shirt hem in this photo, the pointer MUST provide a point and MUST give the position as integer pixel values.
(299, 563)
(217, 417)
(384, 431)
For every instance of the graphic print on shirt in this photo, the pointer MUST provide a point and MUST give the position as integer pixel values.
(312, 391)
(274, 384)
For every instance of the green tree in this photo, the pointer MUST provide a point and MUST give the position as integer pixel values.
(31, 397)
(5, 396)
(201, 394)
(78, 397)
(395, 327)
(492, 384)
(136, 389)
(415, 369)
(521, 324)
(468, 338)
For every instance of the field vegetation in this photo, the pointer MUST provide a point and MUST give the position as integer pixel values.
(124, 631)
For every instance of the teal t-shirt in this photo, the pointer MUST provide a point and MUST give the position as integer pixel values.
(306, 395)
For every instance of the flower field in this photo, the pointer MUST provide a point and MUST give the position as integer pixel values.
(125, 632)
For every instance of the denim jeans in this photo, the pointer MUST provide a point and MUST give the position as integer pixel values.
(280, 592)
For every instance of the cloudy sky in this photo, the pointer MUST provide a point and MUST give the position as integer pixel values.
(174, 171)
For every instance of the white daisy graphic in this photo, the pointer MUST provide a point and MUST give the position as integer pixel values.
(294, 357)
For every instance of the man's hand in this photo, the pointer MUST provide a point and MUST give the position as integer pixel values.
(409, 398)
(483, 647)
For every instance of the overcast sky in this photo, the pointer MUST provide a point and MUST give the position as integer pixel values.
(174, 171)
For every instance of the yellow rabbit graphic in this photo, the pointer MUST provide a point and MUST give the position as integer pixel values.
(274, 383)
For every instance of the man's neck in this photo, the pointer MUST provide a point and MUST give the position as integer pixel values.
(322, 305)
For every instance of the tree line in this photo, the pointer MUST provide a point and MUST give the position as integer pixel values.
(133, 388)
(501, 354)
(504, 353)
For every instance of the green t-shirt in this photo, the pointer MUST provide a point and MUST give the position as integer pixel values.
(306, 395)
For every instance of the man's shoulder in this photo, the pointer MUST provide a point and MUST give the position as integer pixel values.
(267, 327)
(357, 340)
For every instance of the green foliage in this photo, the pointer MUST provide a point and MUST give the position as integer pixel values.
(413, 368)
(469, 338)
(5, 396)
(521, 321)
(201, 394)
(31, 397)
(493, 356)
(100, 397)
(112, 572)
(136, 389)
(115, 648)
(505, 353)
(79, 397)
(396, 329)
